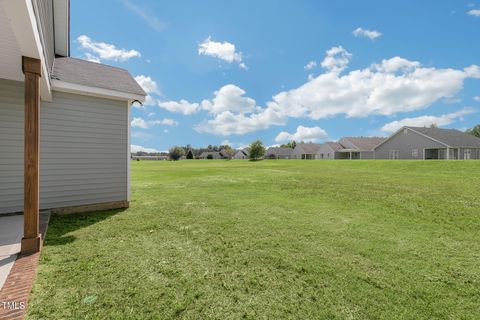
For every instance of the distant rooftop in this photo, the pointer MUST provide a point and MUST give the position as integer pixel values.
(450, 137)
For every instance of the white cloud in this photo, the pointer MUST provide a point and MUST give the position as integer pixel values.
(477, 98)
(426, 121)
(104, 51)
(395, 85)
(310, 65)
(141, 123)
(135, 148)
(474, 12)
(229, 98)
(151, 114)
(150, 87)
(150, 19)
(473, 71)
(228, 123)
(371, 34)
(225, 51)
(305, 134)
(92, 58)
(336, 59)
(182, 106)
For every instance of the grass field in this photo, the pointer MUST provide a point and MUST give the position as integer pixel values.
(272, 240)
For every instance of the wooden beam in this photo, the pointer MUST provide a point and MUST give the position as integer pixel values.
(31, 241)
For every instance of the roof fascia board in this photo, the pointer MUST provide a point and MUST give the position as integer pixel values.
(62, 86)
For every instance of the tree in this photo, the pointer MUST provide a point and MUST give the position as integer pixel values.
(257, 150)
(190, 154)
(176, 153)
(229, 151)
(475, 131)
(292, 144)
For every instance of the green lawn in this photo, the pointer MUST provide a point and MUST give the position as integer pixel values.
(272, 240)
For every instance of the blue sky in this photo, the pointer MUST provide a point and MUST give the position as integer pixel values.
(236, 71)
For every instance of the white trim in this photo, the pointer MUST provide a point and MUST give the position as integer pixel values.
(22, 19)
(68, 87)
(129, 190)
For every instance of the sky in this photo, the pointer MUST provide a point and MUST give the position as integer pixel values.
(230, 72)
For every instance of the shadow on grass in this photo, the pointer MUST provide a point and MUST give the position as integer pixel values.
(60, 226)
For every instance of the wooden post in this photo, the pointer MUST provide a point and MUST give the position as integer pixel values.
(31, 241)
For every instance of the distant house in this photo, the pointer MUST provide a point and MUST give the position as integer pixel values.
(242, 154)
(278, 153)
(149, 157)
(225, 154)
(306, 151)
(210, 155)
(330, 151)
(358, 147)
(429, 143)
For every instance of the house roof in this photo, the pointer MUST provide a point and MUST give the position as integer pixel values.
(363, 143)
(278, 151)
(450, 137)
(309, 148)
(334, 145)
(97, 75)
(207, 153)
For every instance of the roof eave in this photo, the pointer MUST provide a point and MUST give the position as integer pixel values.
(63, 86)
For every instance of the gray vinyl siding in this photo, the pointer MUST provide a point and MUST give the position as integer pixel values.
(327, 151)
(366, 155)
(44, 14)
(83, 150)
(11, 146)
(405, 143)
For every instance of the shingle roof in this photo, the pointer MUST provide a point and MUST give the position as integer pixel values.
(334, 145)
(309, 148)
(450, 137)
(364, 143)
(279, 151)
(95, 75)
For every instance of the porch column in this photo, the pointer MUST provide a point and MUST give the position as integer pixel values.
(31, 236)
(448, 153)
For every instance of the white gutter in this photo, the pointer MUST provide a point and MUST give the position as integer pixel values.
(62, 86)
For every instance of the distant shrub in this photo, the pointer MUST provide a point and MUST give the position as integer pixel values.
(210, 157)
(176, 153)
(257, 150)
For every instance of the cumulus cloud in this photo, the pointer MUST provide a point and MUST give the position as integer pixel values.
(224, 51)
(150, 87)
(365, 33)
(310, 65)
(395, 85)
(144, 124)
(182, 106)
(135, 148)
(305, 134)
(477, 98)
(392, 86)
(228, 123)
(336, 59)
(104, 51)
(229, 98)
(474, 12)
(426, 121)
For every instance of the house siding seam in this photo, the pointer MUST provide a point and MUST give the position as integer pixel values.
(83, 148)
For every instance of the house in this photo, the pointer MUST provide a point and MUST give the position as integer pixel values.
(330, 151)
(242, 154)
(225, 154)
(278, 153)
(306, 151)
(358, 147)
(55, 113)
(210, 155)
(429, 143)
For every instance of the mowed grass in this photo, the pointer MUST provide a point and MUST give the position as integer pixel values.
(272, 240)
